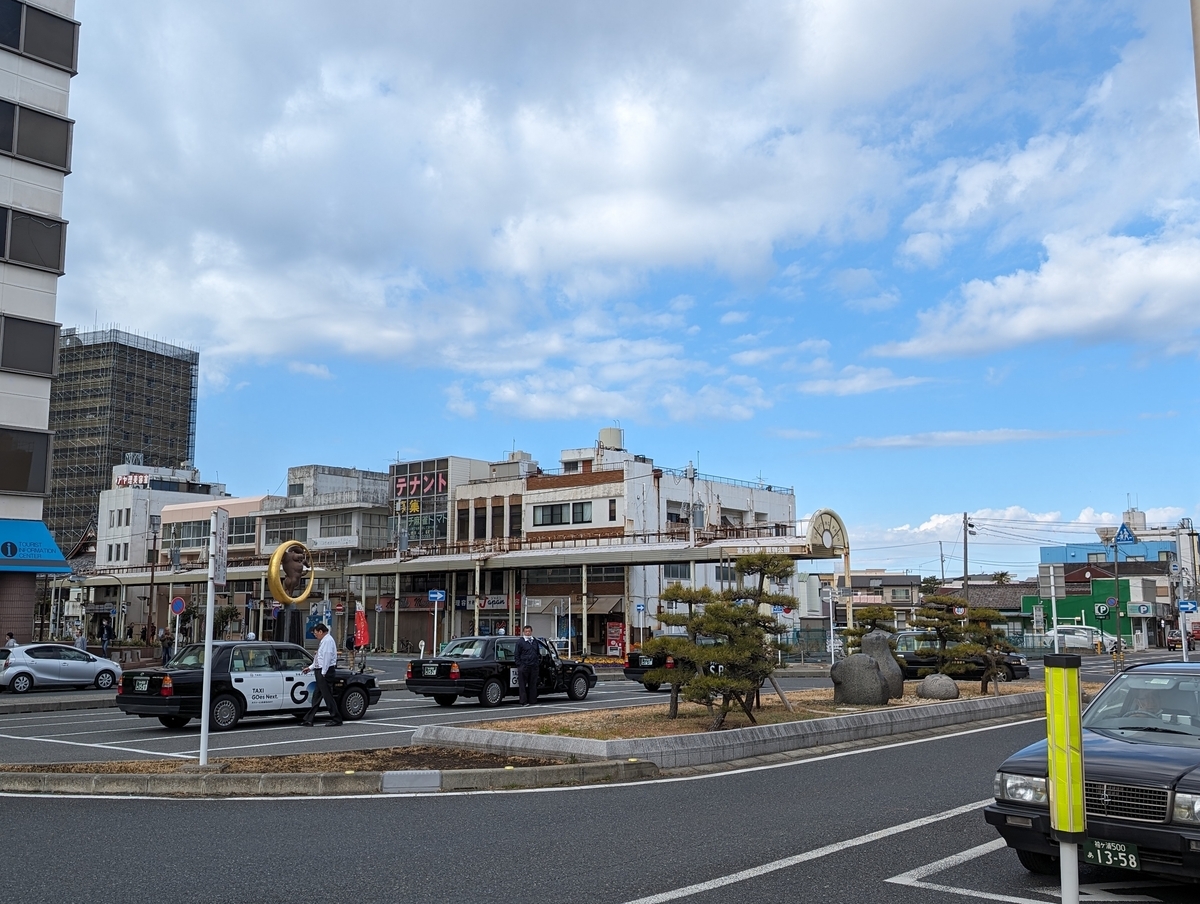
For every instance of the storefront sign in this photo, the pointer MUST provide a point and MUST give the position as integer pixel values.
(133, 480)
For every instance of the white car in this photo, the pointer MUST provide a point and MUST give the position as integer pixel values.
(55, 665)
(1079, 637)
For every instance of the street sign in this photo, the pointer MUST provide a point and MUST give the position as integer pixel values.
(1039, 620)
(275, 610)
(641, 607)
(220, 556)
(777, 610)
(1101, 610)
(1142, 609)
(178, 605)
(1124, 535)
(1112, 600)
(437, 596)
(339, 608)
(1188, 606)
(960, 610)
(379, 607)
(112, 612)
(1052, 581)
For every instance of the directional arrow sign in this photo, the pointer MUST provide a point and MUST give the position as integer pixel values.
(1188, 606)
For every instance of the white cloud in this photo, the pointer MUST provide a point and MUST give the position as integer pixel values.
(756, 356)
(734, 317)
(962, 438)
(320, 371)
(854, 380)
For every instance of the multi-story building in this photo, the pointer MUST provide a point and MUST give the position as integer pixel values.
(38, 53)
(116, 395)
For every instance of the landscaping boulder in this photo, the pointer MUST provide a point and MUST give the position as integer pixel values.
(937, 687)
(877, 646)
(857, 681)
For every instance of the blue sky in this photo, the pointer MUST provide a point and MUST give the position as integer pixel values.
(913, 259)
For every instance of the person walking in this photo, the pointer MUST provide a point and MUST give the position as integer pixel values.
(323, 664)
(168, 645)
(107, 636)
(529, 662)
(10, 642)
(80, 640)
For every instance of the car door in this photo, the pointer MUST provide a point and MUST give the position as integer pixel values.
(253, 672)
(77, 666)
(506, 660)
(297, 687)
(549, 674)
(46, 665)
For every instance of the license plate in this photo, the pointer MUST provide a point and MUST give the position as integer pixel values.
(429, 670)
(646, 661)
(141, 684)
(1119, 854)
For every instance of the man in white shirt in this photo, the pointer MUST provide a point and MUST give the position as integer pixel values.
(323, 664)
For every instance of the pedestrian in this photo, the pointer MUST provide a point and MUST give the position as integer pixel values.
(80, 640)
(168, 645)
(350, 649)
(107, 636)
(324, 665)
(529, 662)
(129, 632)
(10, 642)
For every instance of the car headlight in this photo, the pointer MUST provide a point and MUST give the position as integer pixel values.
(1022, 660)
(1187, 809)
(1023, 789)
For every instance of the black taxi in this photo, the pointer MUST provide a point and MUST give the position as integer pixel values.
(486, 668)
(248, 679)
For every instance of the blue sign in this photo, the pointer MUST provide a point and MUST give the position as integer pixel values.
(1124, 535)
(1188, 606)
(437, 596)
(178, 605)
(777, 610)
(112, 612)
(28, 546)
(641, 607)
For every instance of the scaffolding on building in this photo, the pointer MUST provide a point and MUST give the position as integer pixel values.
(118, 396)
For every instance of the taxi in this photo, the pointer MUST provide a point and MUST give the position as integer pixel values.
(248, 679)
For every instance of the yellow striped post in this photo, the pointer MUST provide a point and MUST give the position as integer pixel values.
(1064, 750)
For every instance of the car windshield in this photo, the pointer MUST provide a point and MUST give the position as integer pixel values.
(1166, 707)
(468, 648)
(190, 657)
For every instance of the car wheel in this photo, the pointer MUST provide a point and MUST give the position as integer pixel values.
(19, 684)
(225, 713)
(105, 680)
(651, 685)
(445, 699)
(492, 693)
(1042, 864)
(1007, 674)
(174, 721)
(354, 704)
(578, 688)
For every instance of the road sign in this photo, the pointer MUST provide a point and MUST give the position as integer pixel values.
(641, 607)
(112, 612)
(220, 552)
(1188, 606)
(960, 610)
(1112, 600)
(437, 596)
(339, 608)
(379, 607)
(1039, 620)
(777, 610)
(1101, 610)
(275, 610)
(1124, 535)
(1142, 609)
(178, 605)
(1052, 581)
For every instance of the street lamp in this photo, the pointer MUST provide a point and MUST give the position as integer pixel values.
(155, 524)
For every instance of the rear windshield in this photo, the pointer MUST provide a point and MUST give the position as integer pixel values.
(1162, 708)
(469, 648)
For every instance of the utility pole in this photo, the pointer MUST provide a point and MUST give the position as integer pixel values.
(967, 525)
(942, 556)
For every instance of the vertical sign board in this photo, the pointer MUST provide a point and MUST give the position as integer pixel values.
(220, 558)
(1064, 736)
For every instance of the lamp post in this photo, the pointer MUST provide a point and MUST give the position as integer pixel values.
(155, 524)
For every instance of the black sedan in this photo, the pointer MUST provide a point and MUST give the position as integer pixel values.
(1141, 763)
(914, 651)
(248, 679)
(486, 668)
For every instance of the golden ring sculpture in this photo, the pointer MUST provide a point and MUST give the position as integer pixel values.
(286, 569)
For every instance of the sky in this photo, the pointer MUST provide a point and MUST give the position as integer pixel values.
(913, 259)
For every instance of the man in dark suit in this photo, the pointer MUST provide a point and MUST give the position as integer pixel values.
(529, 663)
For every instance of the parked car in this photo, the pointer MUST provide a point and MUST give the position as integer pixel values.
(913, 650)
(486, 668)
(45, 665)
(1141, 761)
(1079, 639)
(1175, 639)
(248, 679)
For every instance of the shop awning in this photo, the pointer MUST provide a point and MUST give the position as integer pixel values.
(28, 546)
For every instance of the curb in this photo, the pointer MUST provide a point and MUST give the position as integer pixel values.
(305, 784)
(52, 706)
(737, 743)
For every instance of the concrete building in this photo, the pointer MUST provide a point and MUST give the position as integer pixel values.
(38, 53)
(118, 398)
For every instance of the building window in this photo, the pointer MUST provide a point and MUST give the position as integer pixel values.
(127, 518)
(497, 520)
(125, 555)
(464, 525)
(551, 514)
(34, 241)
(1097, 557)
(901, 594)
(339, 524)
(186, 534)
(374, 532)
(241, 531)
(280, 530)
(47, 37)
(726, 574)
(612, 510)
(1164, 556)
(570, 467)
(295, 489)
(24, 461)
(677, 571)
(481, 522)
(581, 513)
(34, 135)
(111, 520)
(28, 346)
(109, 559)
(514, 519)
(495, 582)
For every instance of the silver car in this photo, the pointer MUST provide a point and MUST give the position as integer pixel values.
(55, 665)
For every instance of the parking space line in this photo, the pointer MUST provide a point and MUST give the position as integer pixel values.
(774, 866)
(185, 756)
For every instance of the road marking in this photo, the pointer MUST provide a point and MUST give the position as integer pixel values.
(99, 746)
(837, 847)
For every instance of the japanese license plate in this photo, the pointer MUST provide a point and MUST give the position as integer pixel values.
(646, 661)
(141, 685)
(1119, 854)
(429, 670)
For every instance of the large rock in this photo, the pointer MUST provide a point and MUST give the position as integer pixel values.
(937, 687)
(877, 646)
(857, 681)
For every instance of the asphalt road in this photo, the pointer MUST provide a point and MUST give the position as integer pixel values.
(859, 826)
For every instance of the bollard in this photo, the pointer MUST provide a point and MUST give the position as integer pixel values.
(1064, 748)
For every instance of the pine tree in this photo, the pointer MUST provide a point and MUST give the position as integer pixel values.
(866, 620)
(681, 650)
(983, 639)
(938, 621)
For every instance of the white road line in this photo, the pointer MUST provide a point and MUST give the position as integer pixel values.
(914, 876)
(837, 847)
(99, 746)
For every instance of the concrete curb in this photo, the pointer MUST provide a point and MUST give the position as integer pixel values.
(300, 784)
(738, 743)
(53, 706)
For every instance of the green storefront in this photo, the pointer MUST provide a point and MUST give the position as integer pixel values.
(1080, 609)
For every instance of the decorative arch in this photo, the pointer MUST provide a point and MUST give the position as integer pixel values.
(827, 534)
